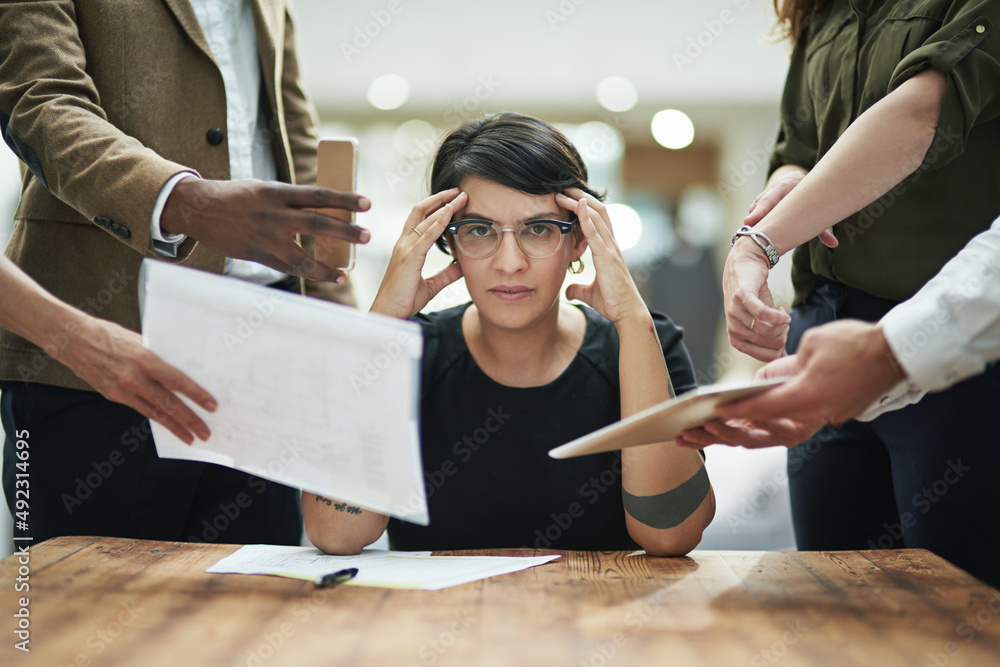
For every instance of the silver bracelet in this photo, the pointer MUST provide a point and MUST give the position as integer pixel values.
(768, 248)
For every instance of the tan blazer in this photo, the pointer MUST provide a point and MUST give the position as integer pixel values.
(104, 101)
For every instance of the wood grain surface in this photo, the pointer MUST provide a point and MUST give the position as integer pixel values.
(110, 601)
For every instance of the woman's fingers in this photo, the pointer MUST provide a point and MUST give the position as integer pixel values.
(762, 341)
(437, 221)
(427, 231)
(827, 238)
(402, 290)
(593, 222)
(754, 325)
(443, 278)
(417, 221)
(763, 205)
(578, 292)
(433, 203)
(592, 201)
(595, 204)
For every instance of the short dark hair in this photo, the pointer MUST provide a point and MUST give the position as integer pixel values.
(514, 150)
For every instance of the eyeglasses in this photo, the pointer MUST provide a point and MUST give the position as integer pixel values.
(536, 238)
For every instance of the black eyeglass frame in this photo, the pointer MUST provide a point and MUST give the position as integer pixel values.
(565, 227)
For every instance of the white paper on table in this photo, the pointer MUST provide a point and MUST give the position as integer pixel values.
(387, 569)
(311, 394)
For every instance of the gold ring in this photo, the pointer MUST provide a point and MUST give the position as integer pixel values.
(418, 232)
(753, 322)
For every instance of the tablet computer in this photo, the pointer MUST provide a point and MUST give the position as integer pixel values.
(665, 421)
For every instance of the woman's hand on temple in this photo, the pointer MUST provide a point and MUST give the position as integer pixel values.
(404, 291)
(613, 293)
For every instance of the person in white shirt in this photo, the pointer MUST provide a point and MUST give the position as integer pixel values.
(947, 332)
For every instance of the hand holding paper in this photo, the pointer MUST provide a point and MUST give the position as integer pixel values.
(311, 394)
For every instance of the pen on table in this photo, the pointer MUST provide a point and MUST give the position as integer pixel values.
(336, 578)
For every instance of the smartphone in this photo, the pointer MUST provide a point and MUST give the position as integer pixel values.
(337, 170)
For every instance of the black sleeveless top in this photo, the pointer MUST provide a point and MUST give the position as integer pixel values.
(489, 479)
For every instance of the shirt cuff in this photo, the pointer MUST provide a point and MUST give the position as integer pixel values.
(928, 344)
(161, 202)
(900, 396)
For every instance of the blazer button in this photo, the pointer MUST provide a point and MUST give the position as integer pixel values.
(121, 231)
(215, 136)
(103, 222)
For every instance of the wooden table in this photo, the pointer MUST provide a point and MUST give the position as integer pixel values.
(108, 601)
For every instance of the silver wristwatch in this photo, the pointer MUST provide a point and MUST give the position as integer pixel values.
(765, 245)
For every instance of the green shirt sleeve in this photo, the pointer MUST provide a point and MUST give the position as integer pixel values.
(798, 140)
(967, 50)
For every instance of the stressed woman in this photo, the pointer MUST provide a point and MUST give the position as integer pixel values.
(517, 371)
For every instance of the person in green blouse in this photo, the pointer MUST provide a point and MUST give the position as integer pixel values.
(886, 166)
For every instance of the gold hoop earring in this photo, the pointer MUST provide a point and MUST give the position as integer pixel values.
(576, 270)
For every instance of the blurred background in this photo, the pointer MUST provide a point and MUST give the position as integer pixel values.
(674, 106)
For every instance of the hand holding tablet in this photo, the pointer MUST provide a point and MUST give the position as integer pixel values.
(663, 422)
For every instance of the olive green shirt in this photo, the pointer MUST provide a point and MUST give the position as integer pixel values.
(853, 54)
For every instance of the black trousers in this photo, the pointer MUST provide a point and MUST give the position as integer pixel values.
(926, 476)
(91, 468)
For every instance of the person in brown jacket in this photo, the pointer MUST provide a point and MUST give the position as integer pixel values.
(171, 129)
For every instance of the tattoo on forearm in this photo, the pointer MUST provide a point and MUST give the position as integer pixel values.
(340, 507)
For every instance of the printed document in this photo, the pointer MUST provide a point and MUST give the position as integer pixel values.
(387, 569)
(311, 394)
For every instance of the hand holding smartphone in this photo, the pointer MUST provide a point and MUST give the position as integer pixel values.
(337, 170)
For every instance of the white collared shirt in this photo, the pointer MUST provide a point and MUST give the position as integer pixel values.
(230, 32)
(950, 329)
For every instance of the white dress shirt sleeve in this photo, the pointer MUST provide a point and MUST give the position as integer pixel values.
(161, 202)
(950, 329)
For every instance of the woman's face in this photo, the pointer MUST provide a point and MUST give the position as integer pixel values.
(510, 289)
